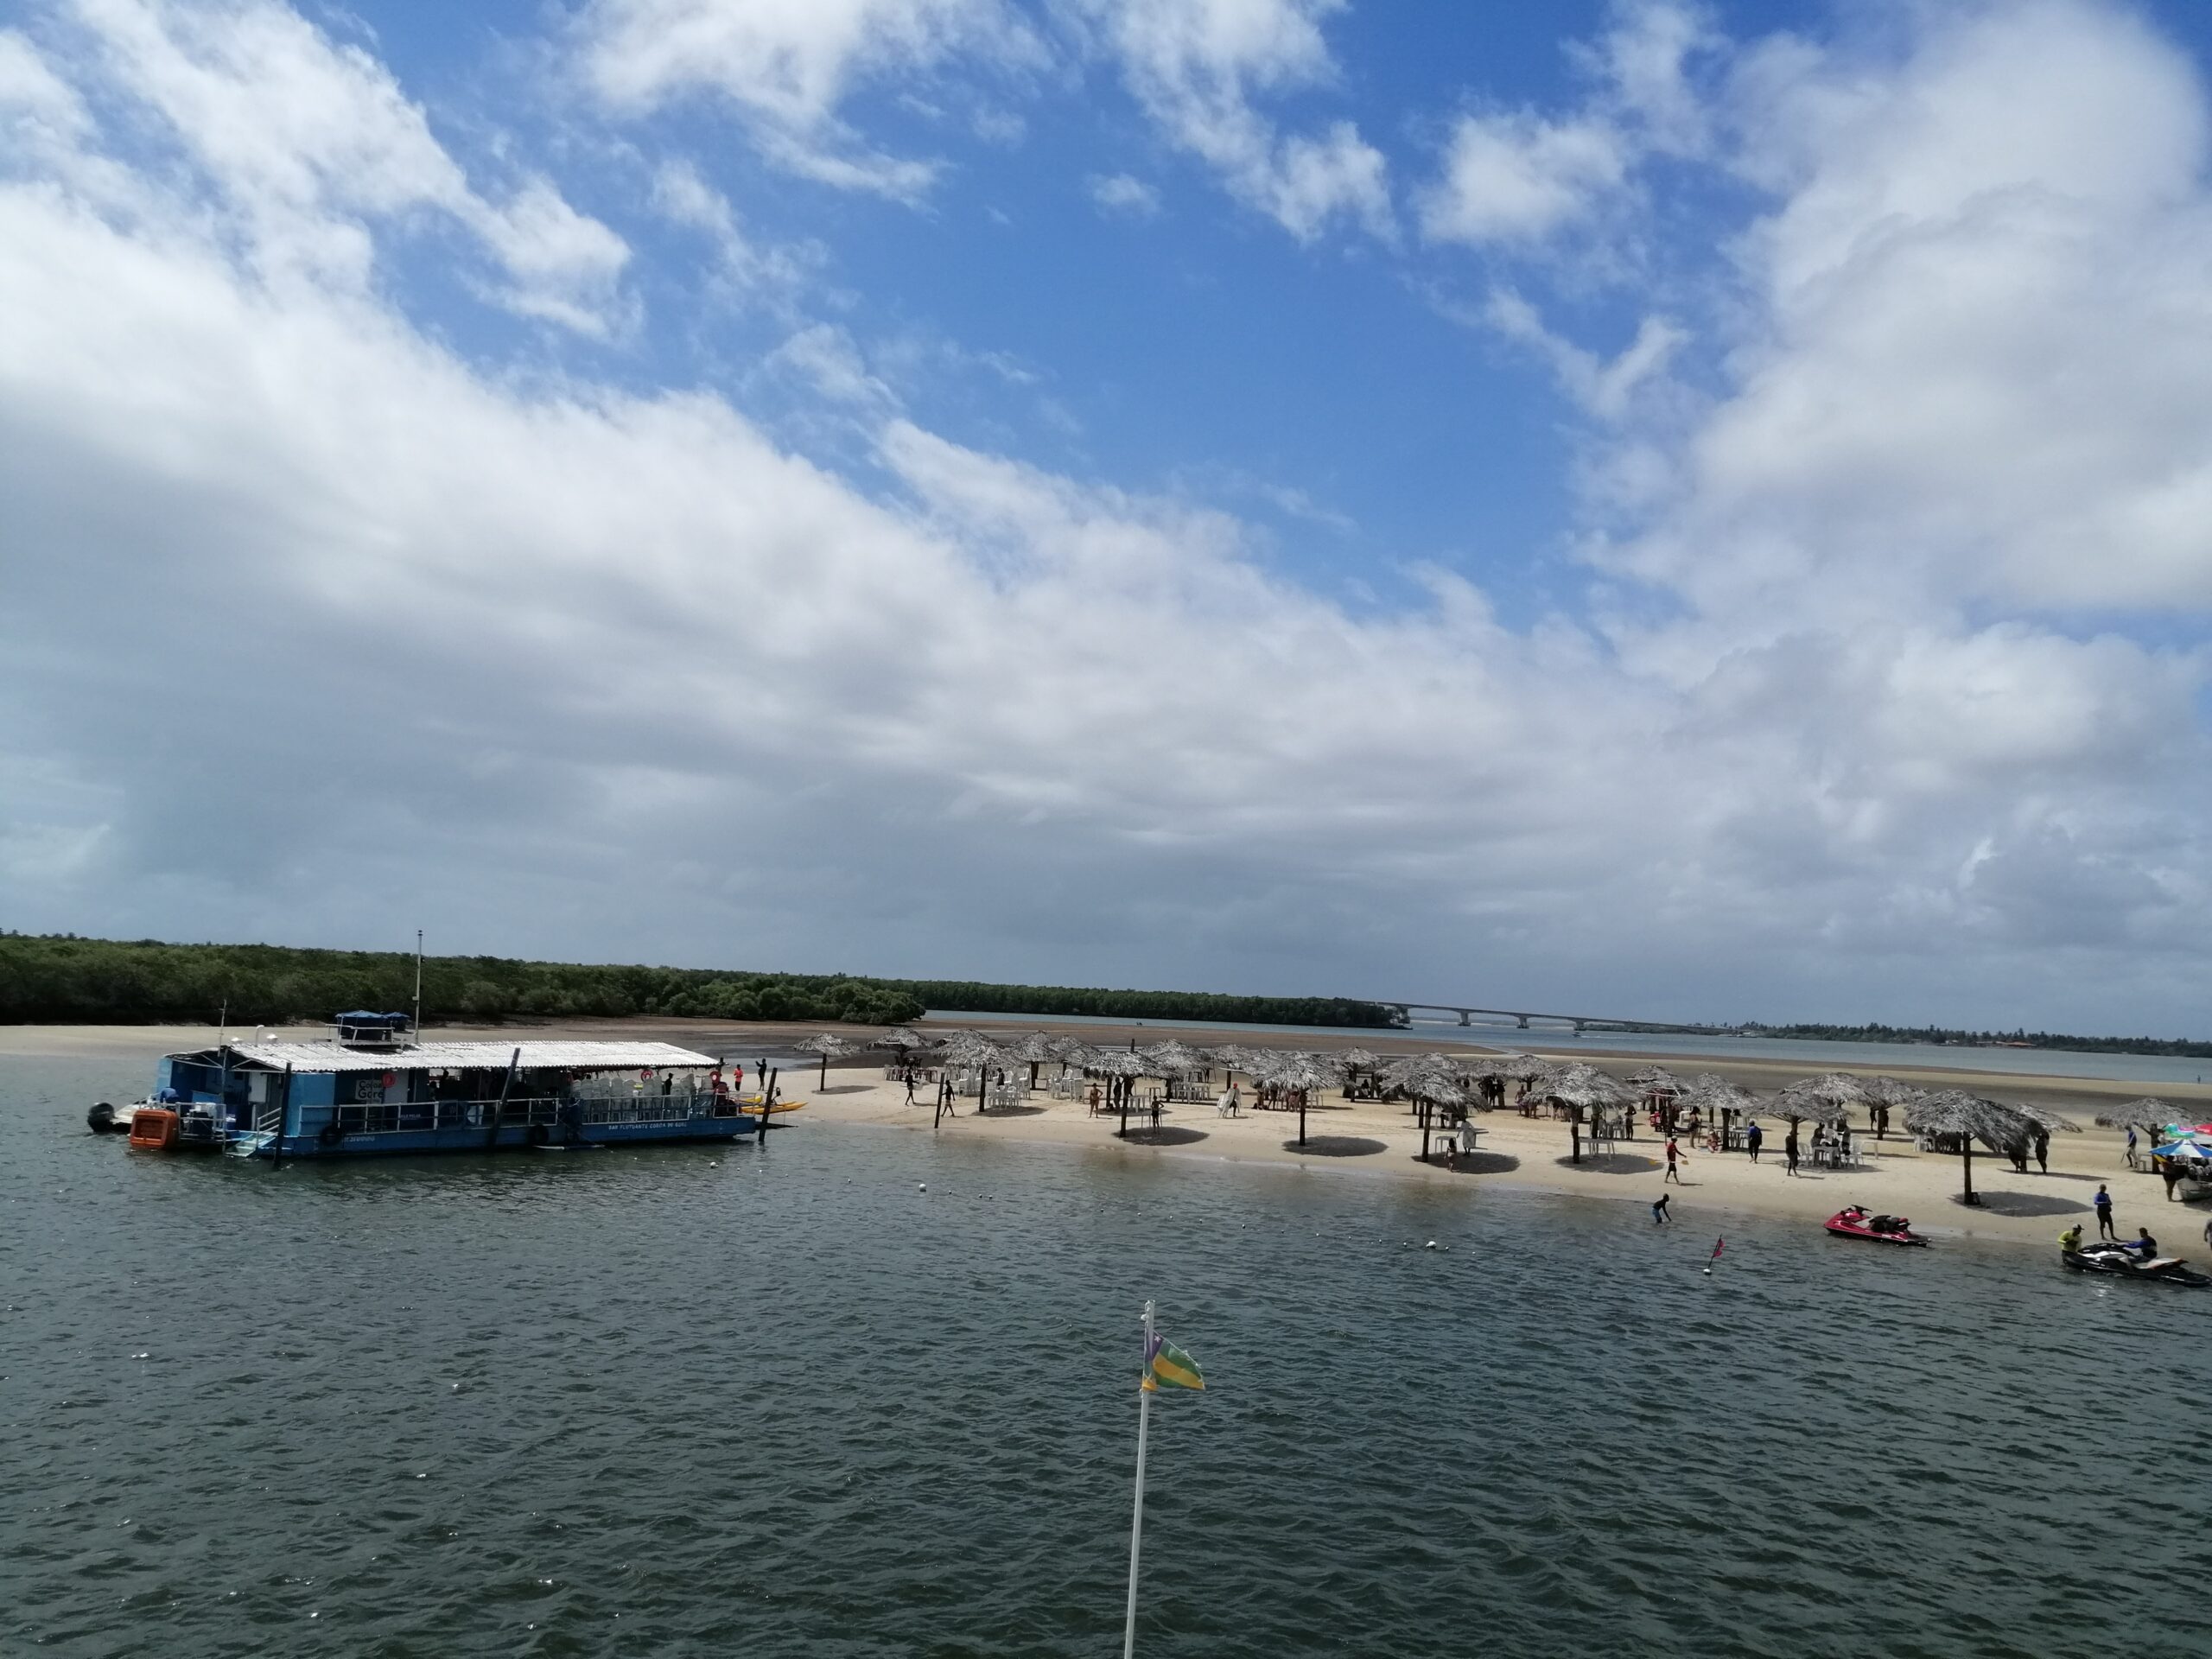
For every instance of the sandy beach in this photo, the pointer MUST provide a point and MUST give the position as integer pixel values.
(1384, 1138)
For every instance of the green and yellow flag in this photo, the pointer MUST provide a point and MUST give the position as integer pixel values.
(1167, 1366)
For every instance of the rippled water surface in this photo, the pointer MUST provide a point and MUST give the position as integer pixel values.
(695, 1402)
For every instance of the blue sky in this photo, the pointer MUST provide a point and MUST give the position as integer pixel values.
(1682, 510)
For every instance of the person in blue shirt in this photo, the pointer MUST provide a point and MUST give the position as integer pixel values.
(2142, 1245)
(2103, 1201)
(1752, 1135)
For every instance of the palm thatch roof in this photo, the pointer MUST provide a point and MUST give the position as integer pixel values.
(2043, 1117)
(1709, 1093)
(1290, 1070)
(1033, 1048)
(1954, 1111)
(1575, 1084)
(1831, 1087)
(1170, 1059)
(901, 1038)
(1653, 1077)
(2148, 1113)
(1117, 1062)
(1884, 1090)
(972, 1048)
(1508, 1066)
(829, 1045)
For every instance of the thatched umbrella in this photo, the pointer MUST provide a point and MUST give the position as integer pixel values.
(2148, 1113)
(899, 1039)
(1971, 1117)
(1573, 1082)
(829, 1047)
(1169, 1059)
(1294, 1071)
(1231, 1059)
(1124, 1066)
(1654, 1078)
(1034, 1050)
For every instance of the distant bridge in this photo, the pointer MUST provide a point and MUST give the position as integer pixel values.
(1522, 1019)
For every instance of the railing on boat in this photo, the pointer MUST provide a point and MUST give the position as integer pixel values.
(549, 1111)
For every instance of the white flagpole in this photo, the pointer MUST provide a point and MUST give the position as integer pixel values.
(1136, 1520)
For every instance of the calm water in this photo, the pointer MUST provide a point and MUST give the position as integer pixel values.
(1815, 1056)
(783, 1402)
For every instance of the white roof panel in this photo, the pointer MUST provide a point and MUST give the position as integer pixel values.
(579, 1057)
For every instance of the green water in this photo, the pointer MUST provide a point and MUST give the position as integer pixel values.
(783, 1401)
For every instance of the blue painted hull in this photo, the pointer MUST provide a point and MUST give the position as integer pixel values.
(511, 1137)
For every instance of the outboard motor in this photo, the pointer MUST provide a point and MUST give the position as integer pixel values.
(101, 1120)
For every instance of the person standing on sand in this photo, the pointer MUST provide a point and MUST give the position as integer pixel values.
(1753, 1136)
(2170, 1172)
(910, 1085)
(1789, 1151)
(1659, 1210)
(2042, 1151)
(2103, 1201)
(1673, 1172)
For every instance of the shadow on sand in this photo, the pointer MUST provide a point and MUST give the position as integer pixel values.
(2023, 1203)
(1335, 1146)
(1611, 1163)
(1015, 1111)
(1165, 1137)
(1473, 1163)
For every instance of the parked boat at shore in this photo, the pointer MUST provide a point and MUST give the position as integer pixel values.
(371, 1090)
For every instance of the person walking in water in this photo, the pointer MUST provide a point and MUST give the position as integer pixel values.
(1674, 1170)
(1752, 1135)
(2103, 1201)
(1659, 1211)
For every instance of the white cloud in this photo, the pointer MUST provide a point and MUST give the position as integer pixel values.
(307, 139)
(1518, 179)
(1603, 388)
(1197, 67)
(1980, 328)
(1512, 178)
(683, 195)
(788, 65)
(1121, 193)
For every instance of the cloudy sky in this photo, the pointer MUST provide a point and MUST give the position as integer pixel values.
(1689, 511)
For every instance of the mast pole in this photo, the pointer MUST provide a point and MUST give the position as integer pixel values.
(1137, 1517)
(418, 984)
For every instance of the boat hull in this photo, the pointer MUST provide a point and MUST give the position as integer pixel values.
(513, 1137)
(1842, 1229)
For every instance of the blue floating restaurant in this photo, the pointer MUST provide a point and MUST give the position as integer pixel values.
(372, 1089)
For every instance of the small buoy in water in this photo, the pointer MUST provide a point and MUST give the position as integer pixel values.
(1708, 1273)
(456, 1387)
(921, 1186)
(1432, 1243)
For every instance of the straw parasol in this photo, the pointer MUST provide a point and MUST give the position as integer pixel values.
(1971, 1117)
(1170, 1060)
(899, 1038)
(1715, 1095)
(829, 1047)
(2148, 1113)
(1574, 1083)
(1034, 1051)
(1654, 1078)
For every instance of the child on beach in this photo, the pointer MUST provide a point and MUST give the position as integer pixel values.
(1673, 1172)
(1659, 1210)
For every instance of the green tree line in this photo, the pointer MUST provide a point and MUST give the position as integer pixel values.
(61, 979)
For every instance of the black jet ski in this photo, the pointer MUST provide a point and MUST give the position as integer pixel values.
(2125, 1262)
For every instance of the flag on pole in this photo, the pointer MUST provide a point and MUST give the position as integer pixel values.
(1719, 1245)
(1167, 1366)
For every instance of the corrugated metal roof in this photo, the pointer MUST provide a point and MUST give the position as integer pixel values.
(329, 1057)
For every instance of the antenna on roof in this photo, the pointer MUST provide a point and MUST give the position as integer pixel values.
(418, 984)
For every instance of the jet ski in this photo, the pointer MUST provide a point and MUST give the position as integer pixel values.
(1853, 1222)
(2108, 1256)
